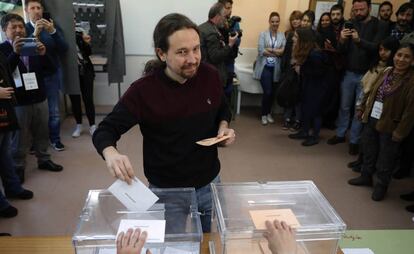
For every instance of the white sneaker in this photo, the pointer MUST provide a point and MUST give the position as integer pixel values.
(270, 118)
(77, 132)
(264, 120)
(92, 129)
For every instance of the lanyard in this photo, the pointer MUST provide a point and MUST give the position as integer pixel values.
(273, 41)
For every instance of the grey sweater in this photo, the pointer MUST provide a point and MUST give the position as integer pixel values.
(359, 56)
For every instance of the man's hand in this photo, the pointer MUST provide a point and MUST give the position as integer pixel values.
(39, 26)
(345, 34)
(6, 92)
(132, 242)
(233, 39)
(86, 38)
(17, 45)
(48, 25)
(355, 36)
(41, 48)
(280, 237)
(119, 165)
(224, 130)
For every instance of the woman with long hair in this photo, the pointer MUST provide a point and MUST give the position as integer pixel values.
(326, 32)
(291, 116)
(313, 66)
(388, 113)
(267, 69)
(308, 19)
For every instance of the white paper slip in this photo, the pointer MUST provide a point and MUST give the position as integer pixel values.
(155, 228)
(135, 197)
(171, 250)
(113, 251)
(357, 251)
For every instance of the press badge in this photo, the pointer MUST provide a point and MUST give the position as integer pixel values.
(377, 110)
(30, 81)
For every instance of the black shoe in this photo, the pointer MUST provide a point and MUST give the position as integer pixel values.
(361, 181)
(357, 169)
(335, 140)
(311, 141)
(286, 125)
(299, 135)
(25, 195)
(295, 126)
(20, 174)
(379, 192)
(5, 234)
(410, 208)
(9, 212)
(408, 196)
(58, 146)
(353, 149)
(50, 165)
(357, 163)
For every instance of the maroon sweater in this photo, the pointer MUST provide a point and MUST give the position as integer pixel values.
(172, 117)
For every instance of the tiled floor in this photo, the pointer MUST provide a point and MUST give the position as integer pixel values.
(261, 153)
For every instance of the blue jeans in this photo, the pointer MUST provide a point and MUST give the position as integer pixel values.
(10, 180)
(350, 90)
(266, 81)
(53, 84)
(204, 203)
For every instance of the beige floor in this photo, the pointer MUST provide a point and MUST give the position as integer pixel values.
(261, 153)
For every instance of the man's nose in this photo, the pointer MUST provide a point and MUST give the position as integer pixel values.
(192, 57)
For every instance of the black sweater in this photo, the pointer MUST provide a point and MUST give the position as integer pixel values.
(172, 117)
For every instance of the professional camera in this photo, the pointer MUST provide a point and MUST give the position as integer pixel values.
(234, 27)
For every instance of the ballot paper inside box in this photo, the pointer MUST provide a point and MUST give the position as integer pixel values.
(240, 209)
(102, 213)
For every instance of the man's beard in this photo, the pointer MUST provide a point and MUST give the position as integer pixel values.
(361, 18)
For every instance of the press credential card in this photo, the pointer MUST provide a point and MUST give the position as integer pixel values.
(154, 228)
(259, 217)
(135, 197)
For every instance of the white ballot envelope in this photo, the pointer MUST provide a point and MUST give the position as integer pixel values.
(155, 228)
(211, 141)
(135, 197)
(357, 251)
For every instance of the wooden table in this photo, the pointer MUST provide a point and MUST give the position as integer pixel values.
(56, 245)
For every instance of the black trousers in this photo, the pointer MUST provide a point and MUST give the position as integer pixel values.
(86, 86)
(407, 158)
(380, 153)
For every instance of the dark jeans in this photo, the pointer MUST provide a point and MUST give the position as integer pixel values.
(314, 123)
(53, 84)
(267, 84)
(380, 153)
(86, 86)
(10, 180)
(407, 158)
(205, 204)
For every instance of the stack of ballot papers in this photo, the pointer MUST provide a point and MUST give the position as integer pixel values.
(357, 251)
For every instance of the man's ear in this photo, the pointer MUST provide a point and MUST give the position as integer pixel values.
(161, 54)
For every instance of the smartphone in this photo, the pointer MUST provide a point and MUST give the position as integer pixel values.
(348, 25)
(29, 47)
(46, 15)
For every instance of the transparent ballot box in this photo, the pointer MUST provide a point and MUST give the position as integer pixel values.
(240, 209)
(102, 213)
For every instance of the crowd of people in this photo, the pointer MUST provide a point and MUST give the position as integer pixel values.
(353, 75)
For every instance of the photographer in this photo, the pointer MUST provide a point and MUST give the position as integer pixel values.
(230, 28)
(359, 42)
(215, 50)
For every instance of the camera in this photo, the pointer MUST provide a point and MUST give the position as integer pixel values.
(348, 25)
(232, 22)
(29, 47)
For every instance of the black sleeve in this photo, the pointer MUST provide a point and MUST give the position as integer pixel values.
(109, 131)
(224, 113)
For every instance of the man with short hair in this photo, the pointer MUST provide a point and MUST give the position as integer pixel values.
(52, 37)
(176, 105)
(214, 48)
(404, 16)
(337, 19)
(385, 11)
(359, 43)
(31, 109)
